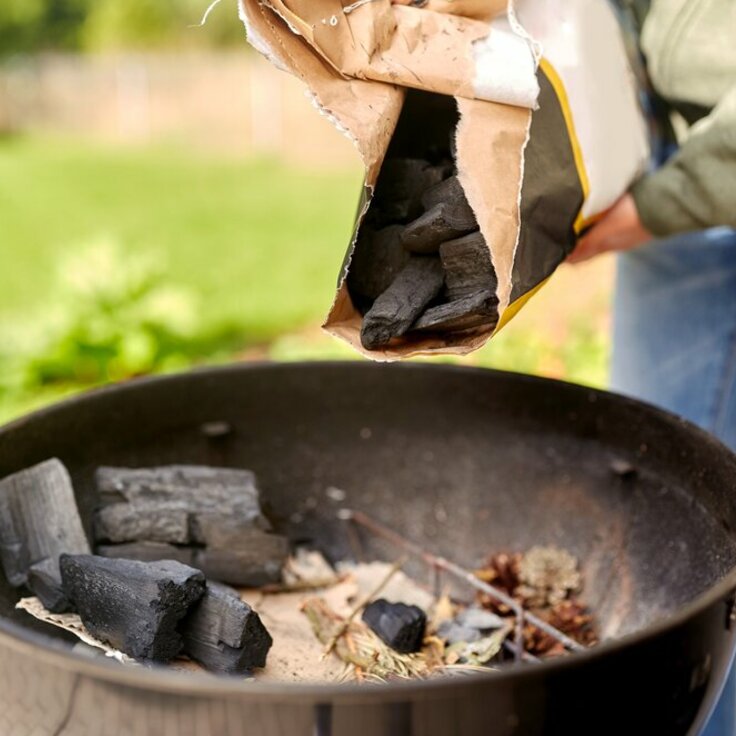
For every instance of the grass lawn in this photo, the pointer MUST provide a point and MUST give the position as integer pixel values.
(259, 243)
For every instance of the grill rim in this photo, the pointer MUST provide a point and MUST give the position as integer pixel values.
(165, 680)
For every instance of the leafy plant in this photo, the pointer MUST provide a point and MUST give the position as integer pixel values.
(110, 317)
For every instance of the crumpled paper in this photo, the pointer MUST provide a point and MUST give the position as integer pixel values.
(73, 624)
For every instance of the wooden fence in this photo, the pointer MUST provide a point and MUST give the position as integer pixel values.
(234, 102)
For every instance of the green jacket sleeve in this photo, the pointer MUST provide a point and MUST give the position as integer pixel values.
(696, 188)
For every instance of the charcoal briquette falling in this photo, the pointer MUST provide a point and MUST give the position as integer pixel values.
(133, 606)
(400, 626)
(394, 312)
(39, 520)
(224, 634)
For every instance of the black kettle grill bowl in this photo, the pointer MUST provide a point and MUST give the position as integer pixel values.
(464, 462)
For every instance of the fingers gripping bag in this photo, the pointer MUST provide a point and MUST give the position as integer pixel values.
(490, 140)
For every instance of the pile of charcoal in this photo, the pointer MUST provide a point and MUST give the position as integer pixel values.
(421, 264)
(149, 597)
(169, 539)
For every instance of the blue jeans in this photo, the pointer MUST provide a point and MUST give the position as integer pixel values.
(675, 346)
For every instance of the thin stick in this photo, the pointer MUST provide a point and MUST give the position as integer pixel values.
(436, 582)
(459, 572)
(300, 586)
(355, 544)
(525, 656)
(362, 603)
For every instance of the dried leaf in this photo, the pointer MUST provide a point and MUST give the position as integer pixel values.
(444, 610)
(479, 652)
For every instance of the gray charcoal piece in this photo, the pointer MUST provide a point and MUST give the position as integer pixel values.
(400, 187)
(125, 522)
(452, 632)
(39, 520)
(377, 260)
(158, 504)
(480, 619)
(243, 557)
(248, 558)
(44, 579)
(208, 517)
(445, 221)
(462, 314)
(148, 552)
(450, 190)
(393, 313)
(224, 634)
(468, 267)
(133, 606)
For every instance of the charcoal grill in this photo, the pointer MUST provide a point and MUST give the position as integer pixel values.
(460, 461)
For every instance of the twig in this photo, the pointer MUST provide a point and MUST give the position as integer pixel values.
(206, 15)
(300, 586)
(441, 563)
(514, 649)
(362, 603)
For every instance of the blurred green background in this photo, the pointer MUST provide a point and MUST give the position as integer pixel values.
(168, 199)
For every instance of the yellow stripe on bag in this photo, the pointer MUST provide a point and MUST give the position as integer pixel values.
(515, 307)
(556, 82)
(580, 222)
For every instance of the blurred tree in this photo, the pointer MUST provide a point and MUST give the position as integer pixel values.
(32, 25)
(28, 26)
(129, 24)
(145, 24)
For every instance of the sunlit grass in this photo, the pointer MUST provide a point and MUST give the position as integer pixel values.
(261, 242)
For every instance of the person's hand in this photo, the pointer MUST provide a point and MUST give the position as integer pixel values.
(619, 229)
(483, 9)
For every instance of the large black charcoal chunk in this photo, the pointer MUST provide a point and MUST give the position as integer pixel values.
(462, 314)
(393, 313)
(133, 606)
(377, 260)
(224, 634)
(467, 265)
(400, 187)
(212, 514)
(445, 221)
(400, 626)
(39, 520)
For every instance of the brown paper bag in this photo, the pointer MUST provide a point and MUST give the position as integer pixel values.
(534, 172)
